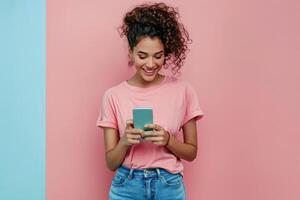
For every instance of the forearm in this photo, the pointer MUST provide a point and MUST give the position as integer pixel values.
(116, 156)
(182, 150)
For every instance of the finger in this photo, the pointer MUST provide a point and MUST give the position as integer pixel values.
(137, 131)
(129, 124)
(154, 126)
(154, 139)
(158, 143)
(133, 141)
(158, 133)
(148, 133)
(157, 127)
(133, 136)
(153, 133)
(134, 131)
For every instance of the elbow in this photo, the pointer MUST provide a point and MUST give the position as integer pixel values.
(110, 167)
(192, 155)
(113, 169)
(191, 158)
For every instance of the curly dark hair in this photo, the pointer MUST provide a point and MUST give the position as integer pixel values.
(158, 20)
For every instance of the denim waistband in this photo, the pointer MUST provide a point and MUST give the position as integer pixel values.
(149, 172)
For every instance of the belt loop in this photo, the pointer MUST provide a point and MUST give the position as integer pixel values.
(158, 172)
(130, 173)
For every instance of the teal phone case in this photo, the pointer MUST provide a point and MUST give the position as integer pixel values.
(142, 116)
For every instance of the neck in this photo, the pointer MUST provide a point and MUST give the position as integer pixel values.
(138, 81)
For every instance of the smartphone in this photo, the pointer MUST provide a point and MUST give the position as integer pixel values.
(142, 116)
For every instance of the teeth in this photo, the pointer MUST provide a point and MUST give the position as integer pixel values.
(149, 71)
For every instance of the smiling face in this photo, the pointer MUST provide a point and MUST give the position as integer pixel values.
(148, 58)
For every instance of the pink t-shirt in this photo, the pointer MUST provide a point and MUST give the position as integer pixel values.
(174, 102)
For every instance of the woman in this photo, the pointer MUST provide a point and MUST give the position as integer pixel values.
(151, 168)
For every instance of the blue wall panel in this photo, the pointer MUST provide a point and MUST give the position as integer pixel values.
(22, 99)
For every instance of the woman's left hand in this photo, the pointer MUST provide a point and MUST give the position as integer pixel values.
(158, 136)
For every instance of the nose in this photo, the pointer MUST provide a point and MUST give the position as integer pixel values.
(150, 63)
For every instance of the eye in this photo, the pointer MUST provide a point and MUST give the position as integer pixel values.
(158, 56)
(142, 57)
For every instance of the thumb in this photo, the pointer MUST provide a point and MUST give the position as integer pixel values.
(129, 124)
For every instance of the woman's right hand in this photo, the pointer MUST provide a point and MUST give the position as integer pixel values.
(131, 135)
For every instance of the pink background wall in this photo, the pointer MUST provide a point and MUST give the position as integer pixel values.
(244, 63)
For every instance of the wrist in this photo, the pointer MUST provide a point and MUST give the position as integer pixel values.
(123, 142)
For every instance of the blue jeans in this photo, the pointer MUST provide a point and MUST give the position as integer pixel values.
(148, 184)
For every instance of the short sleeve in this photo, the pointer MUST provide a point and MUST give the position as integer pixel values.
(193, 109)
(107, 114)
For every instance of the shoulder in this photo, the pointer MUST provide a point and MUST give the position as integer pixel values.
(114, 91)
(179, 82)
(184, 87)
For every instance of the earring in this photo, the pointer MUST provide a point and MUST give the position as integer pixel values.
(130, 62)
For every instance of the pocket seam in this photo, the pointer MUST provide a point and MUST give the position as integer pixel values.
(179, 182)
(121, 182)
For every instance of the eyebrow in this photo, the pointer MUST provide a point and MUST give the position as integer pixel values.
(142, 52)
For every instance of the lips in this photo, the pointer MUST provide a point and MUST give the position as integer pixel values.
(149, 72)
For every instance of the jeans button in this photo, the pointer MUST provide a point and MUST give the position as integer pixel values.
(146, 172)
